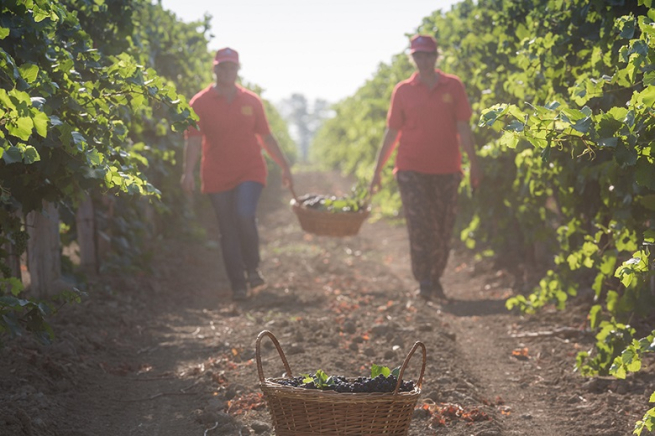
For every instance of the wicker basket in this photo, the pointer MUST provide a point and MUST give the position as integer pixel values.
(303, 412)
(323, 223)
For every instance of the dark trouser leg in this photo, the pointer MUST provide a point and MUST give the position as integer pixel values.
(414, 194)
(236, 212)
(247, 197)
(225, 207)
(444, 202)
(429, 202)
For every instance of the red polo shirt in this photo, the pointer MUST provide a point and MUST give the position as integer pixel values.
(231, 150)
(427, 122)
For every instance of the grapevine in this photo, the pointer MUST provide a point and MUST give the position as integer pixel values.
(564, 93)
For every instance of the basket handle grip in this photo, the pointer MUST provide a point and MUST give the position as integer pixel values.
(293, 193)
(417, 344)
(258, 355)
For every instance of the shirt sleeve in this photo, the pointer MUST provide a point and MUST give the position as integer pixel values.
(261, 122)
(395, 116)
(463, 109)
(192, 131)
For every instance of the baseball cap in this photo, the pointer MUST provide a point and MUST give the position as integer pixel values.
(226, 55)
(424, 43)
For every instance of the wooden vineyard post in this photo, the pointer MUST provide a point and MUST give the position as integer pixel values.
(105, 213)
(44, 251)
(13, 261)
(86, 235)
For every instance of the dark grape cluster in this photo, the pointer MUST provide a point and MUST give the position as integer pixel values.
(332, 203)
(312, 201)
(357, 385)
(297, 382)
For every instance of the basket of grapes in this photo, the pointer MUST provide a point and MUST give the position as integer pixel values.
(329, 215)
(382, 404)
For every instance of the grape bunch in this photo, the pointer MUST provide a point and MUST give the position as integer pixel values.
(344, 385)
(354, 202)
(313, 201)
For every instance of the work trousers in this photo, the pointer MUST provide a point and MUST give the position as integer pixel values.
(236, 212)
(430, 206)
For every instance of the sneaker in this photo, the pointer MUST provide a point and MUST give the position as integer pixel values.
(255, 279)
(425, 290)
(240, 294)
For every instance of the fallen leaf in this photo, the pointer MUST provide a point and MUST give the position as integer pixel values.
(521, 353)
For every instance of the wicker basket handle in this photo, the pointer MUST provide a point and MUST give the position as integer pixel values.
(258, 354)
(417, 344)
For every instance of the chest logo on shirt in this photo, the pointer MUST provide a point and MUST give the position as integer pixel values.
(447, 98)
(246, 110)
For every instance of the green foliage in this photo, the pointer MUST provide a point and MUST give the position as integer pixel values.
(630, 358)
(320, 379)
(630, 361)
(20, 315)
(550, 289)
(565, 94)
(376, 370)
(178, 52)
(611, 340)
(70, 107)
(648, 421)
(94, 103)
(587, 134)
(591, 125)
(568, 159)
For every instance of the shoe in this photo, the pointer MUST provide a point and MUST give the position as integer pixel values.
(255, 279)
(240, 294)
(425, 290)
(438, 293)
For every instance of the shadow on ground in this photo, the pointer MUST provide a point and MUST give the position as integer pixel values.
(476, 307)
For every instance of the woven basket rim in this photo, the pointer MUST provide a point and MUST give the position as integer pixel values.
(270, 383)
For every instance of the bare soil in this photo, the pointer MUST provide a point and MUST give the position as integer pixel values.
(168, 353)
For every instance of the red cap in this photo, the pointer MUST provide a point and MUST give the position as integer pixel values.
(226, 55)
(424, 43)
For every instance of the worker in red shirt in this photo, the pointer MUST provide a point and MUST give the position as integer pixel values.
(429, 121)
(231, 131)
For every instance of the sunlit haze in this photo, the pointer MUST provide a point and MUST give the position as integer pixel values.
(322, 49)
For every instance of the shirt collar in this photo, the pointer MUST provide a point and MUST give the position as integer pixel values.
(416, 80)
(215, 94)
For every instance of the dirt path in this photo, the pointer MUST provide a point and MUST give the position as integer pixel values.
(169, 354)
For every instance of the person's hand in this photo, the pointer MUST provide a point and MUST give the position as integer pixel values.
(287, 179)
(475, 175)
(188, 184)
(376, 184)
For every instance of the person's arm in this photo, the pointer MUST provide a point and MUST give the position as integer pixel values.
(388, 145)
(192, 151)
(467, 144)
(273, 149)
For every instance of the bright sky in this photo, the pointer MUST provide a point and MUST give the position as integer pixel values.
(322, 49)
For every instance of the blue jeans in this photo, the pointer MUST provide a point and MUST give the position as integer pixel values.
(237, 224)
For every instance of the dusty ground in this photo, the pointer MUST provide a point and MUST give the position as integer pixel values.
(169, 354)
